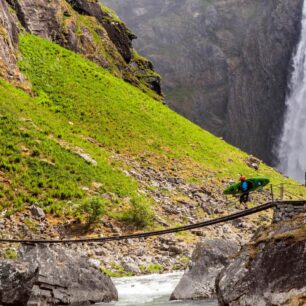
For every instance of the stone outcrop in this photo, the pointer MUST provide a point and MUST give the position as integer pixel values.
(47, 275)
(287, 211)
(208, 259)
(117, 31)
(270, 270)
(225, 64)
(8, 43)
(82, 26)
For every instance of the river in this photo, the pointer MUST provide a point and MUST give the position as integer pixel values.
(151, 290)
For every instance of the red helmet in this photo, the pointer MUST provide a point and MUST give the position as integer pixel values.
(242, 178)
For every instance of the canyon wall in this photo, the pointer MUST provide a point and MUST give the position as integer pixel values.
(225, 64)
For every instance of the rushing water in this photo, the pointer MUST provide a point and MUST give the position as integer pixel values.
(292, 150)
(151, 290)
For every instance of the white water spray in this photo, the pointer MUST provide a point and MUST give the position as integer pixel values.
(292, 149)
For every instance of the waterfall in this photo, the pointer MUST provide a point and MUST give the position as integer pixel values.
(292, 147)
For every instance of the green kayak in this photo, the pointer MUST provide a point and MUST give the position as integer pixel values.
(254, 184)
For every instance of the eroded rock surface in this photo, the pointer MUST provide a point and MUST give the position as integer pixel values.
(54, 275)
(208, 259)
(269, 271)
(8, 43)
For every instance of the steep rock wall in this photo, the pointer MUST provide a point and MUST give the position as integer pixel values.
(270, 270)
(224, 64)
(8, 43)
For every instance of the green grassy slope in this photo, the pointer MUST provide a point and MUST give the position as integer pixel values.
(79, 108)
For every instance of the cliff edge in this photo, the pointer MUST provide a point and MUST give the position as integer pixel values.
(269, 271)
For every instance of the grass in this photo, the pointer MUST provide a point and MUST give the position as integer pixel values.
(10, 254)
(79, 106)
(116, 271)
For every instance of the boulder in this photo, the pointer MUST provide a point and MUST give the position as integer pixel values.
(208, 259)
(16, 282)
(45, 275)
(37, 212)
(271, 270)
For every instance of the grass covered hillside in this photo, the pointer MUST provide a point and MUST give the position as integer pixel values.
(85, 146)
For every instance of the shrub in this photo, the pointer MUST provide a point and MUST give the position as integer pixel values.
(93, 209)
(140, 213)
(10, 254)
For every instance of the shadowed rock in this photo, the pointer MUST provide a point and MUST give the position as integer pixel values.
(271, 270)
(208, 259)
(53, 276)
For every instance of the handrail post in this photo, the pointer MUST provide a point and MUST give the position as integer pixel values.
(282, 191)
(272, 194)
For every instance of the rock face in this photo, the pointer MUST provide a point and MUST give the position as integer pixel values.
(208, 259)
(224, 64)
(82, 26)
(269, 271)
(53, 276)
(8, 43)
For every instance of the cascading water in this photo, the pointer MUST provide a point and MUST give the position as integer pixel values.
(151, 290)
(292, 149)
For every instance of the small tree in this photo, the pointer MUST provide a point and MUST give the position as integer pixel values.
(140, 213)
(93, 209)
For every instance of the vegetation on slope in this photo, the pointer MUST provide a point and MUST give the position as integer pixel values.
(57, 145)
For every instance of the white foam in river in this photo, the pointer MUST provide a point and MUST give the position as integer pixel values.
(150, 290)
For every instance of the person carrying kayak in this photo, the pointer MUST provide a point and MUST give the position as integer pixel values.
(244, 187)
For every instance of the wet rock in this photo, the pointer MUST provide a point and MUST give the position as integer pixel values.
(208, 259)
(270, 270)
(54, 275)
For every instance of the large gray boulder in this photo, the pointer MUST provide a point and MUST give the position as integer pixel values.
(271, 270)
(46, 275)
(208, 259)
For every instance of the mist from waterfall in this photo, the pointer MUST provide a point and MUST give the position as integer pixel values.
(292, 147)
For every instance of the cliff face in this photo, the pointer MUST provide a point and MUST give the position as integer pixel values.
(269, 271)
(8, 43)
(82, 26)
(224, 64)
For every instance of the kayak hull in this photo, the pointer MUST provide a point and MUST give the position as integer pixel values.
(254, 183)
